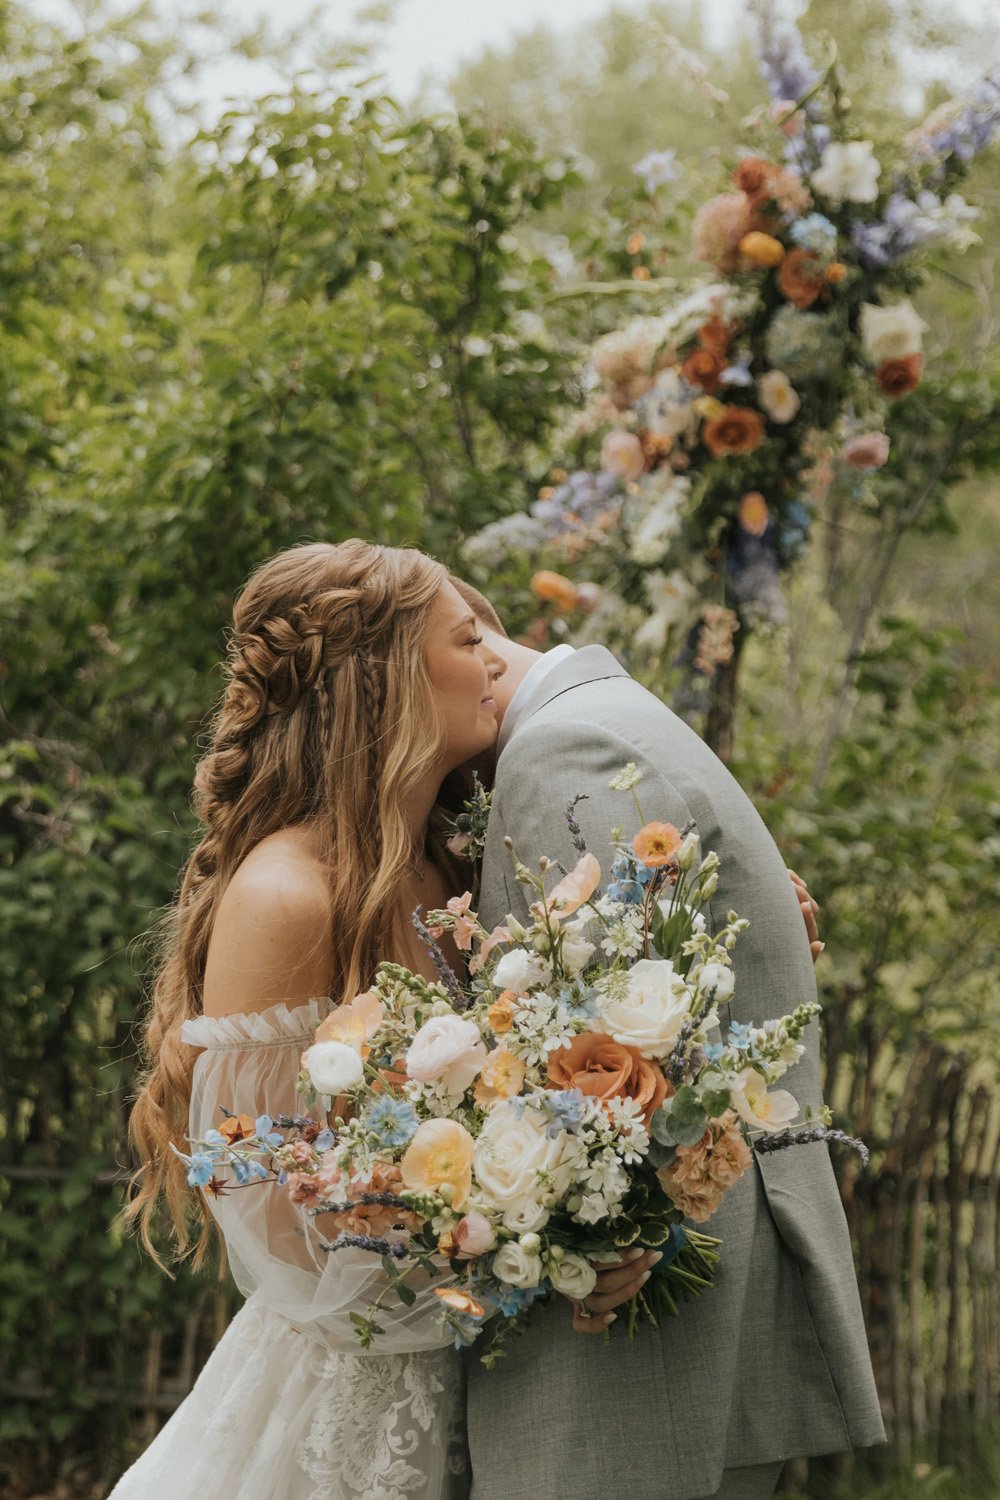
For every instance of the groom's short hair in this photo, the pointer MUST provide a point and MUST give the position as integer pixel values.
(478, 603)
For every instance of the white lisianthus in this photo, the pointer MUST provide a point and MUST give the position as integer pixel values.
(848, 172)
(518, 971)
(573, 1276)
(515, 1265)
(717, 977)
(759, 1108)
(891, 332)
(448, 1049)
(333, 1067)
(651, 1009)
(517, 1165)
(777, 396)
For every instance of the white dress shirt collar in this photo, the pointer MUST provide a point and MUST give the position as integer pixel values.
(538, 671)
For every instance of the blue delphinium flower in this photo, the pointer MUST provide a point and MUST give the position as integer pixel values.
(781, 54)
(582, 497)
(201, 1169)
(565, 1109)
(267, 1137)
(739, 1036)
(392, 1121)
(324, 1140)
(511, 1299)
(814, 232)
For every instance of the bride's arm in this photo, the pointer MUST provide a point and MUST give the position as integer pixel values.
(268, 960)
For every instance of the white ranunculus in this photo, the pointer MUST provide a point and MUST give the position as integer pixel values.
(511, 1152)
(717, 977)
(576, 950)
(333, 1067)
(513, 1264)
(651, 1011)
(891, 332)
(573, 1276)
(449, 1049)
(518, 971)
(848, 172)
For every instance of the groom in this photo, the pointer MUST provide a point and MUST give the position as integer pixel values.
(772, 1362)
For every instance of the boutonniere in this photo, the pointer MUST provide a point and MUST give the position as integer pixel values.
(467, 830)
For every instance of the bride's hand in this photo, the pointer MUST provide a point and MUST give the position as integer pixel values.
(808, 908)
(615, 1284)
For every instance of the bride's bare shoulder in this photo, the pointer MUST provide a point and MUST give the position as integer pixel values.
(270, 939)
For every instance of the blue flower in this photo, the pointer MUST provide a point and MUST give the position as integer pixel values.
(267, 1136)
(713, 1051)
(627, 891)
(393, 1122)
(739, 1037)
(324, 1140)
(511, 1299)
(814, 232)
(215, 1138)
(565, 1108)
(241, 1169)
(201, 1169)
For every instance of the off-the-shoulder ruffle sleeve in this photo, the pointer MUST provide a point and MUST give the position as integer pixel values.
(249, 1064)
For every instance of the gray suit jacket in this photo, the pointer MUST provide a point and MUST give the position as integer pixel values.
(773, 1360)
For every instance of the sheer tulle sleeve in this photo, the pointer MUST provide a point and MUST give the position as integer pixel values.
(248, 1064)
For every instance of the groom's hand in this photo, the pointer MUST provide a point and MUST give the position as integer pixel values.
(615, 1284)
(808, 908)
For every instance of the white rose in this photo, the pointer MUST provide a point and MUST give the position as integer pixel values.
(891, 332)
(573, 1276)
(333, 1067)
(848, 171)
(448, 1048)
(518, 971)
(511, 1152)
(513, 1264)
(652, 1010)
(717, 977)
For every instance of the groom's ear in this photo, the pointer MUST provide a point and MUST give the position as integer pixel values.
(478, 603)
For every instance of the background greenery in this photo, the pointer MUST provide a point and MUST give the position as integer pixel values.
(330, 315)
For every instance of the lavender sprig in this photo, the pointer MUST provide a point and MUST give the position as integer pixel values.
(383, 1200)
(579, 843)
(449, 979)
(345, 1241)
(786, 1138)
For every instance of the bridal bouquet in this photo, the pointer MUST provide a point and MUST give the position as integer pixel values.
(575, 1096)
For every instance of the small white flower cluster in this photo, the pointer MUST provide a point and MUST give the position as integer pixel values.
(623, 935)
(540, 1026)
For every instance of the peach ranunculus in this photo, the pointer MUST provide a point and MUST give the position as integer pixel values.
(898, 377)
(439, 1153)
(501, 1013)
(501, 1077)
(802, 278)
(739, 429)
(354, 1022)
(473, 1234)
(656, 844)
(605, 1069)
(703, 368)
(575, 888)
(752, 513)
(622, 454)
(699, 1176)
(553, 588)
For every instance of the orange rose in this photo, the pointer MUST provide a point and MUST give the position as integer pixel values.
(555, 589)
(703, 367)
(604, 1069)
(739, 429)
(897, 377)
(801, 280)
(656, 844)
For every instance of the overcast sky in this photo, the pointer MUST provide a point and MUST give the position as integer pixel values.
(425, 39)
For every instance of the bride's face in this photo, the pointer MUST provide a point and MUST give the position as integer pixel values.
(462, 670)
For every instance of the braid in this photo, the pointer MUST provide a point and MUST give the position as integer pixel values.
(373, 696)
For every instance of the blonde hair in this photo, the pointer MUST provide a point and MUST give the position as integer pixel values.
(327, 716)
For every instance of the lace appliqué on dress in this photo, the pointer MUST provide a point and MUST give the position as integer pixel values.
(368, 1424)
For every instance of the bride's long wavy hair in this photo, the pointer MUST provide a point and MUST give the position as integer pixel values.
(328, 720)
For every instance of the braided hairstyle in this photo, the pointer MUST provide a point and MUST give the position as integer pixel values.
(327, 720)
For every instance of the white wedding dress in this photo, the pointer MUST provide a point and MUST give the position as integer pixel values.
(288, 1407)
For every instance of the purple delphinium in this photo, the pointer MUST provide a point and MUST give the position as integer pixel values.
(968, 131)
(908, 224)
(577, 501)
(781, 54)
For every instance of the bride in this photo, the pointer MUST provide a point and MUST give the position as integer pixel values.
(357, 683)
